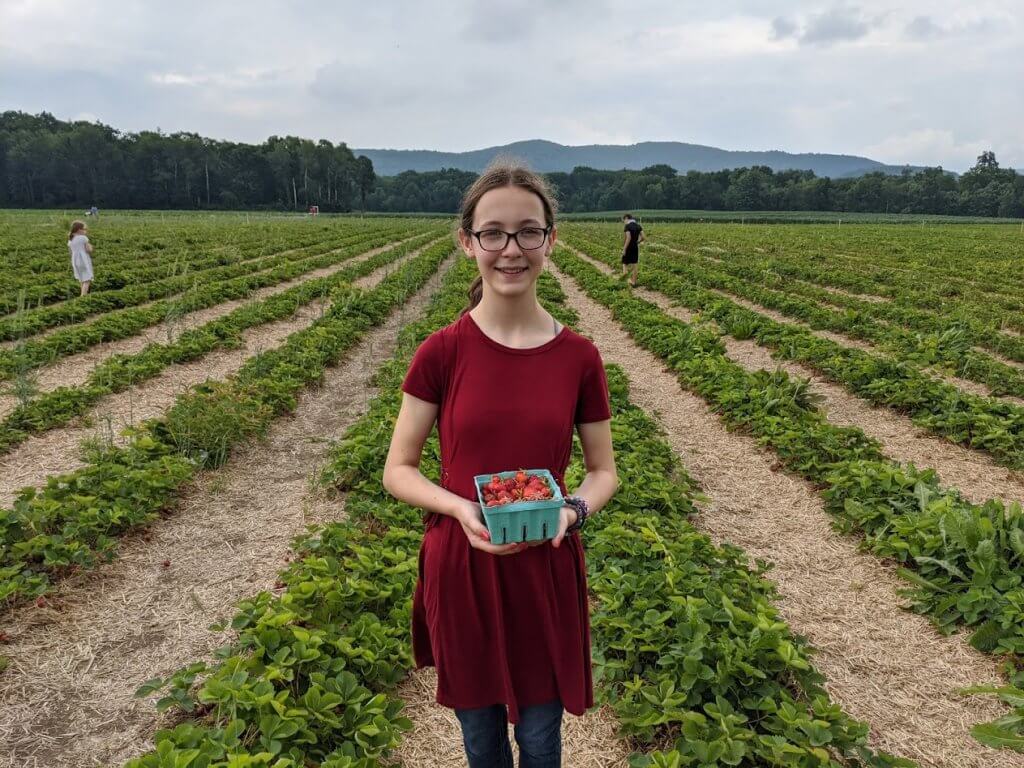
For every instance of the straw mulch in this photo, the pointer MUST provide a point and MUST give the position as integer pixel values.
(436, 739)
(884, 665)
(75, 369)
(68, 693)
(58, 450)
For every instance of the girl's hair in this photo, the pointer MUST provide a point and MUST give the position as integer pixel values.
(75, 227)
(502, 173)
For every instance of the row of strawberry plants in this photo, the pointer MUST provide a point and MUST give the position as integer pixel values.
(948, 337)
(30, 250)
(127, 267)
(683, 631)
(978, 422)
(125, 270)
(917, 349)
(119, 372)
(964, 562)
(678, 656)
(926, 312)
(924, 267)
(73, 520)
(689, 646)
(306, 680)
(987, 289)
(121, 324)
(32, 321)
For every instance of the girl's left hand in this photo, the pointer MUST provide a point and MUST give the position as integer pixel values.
(566, 516)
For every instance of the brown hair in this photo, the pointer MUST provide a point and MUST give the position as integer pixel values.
(75, 227)
(502, 173)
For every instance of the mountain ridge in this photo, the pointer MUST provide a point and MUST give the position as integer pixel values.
(548, 156)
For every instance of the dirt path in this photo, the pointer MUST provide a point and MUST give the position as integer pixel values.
(883, 665)
(75, 369)
(436, 739)
(976, 475)
(58, 450)
(68, 693)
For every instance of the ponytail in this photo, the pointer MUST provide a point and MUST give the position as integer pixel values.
(75, 227)
(476, 292)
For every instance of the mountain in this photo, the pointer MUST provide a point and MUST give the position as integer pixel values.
(547, 156)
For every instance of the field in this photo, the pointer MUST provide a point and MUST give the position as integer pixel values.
(815, 558)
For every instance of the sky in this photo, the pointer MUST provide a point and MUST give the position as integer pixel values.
(924, 82)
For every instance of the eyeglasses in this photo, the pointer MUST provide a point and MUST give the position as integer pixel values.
(527, 238)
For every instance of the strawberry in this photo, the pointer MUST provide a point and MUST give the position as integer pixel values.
(521, 477)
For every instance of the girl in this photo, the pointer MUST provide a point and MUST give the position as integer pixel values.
(81, 255)
(505, 625)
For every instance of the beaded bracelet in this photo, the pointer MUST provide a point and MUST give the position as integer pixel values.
(580, 505)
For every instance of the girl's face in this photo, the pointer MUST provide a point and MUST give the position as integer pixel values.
(513, 270)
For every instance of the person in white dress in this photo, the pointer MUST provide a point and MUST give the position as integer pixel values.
(81, 254)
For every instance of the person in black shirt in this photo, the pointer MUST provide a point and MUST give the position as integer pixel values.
(634, 235)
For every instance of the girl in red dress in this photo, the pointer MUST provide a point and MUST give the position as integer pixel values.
(506, 626)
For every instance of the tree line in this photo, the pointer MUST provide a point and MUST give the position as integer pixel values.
(984, 190)
(46, 162)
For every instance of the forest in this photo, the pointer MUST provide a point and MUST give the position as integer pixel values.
(46, 163)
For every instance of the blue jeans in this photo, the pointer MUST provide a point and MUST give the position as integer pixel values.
(538, 734)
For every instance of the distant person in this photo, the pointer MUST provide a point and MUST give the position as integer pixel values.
(81, 255)
(94, 211)
(634, 235)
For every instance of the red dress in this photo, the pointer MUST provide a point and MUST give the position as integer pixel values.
(510, 629)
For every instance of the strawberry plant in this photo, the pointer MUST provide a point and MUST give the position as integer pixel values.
(75, 519)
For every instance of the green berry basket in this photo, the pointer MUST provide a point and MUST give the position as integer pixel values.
(521, 520)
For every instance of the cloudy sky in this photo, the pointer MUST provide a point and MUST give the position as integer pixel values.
(922, 81)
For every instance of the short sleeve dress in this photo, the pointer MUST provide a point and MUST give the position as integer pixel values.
(510, 629)
(81, 262)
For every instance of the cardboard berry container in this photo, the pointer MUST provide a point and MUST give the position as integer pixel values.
(521, 520)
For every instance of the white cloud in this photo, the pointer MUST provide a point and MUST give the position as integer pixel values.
(923, 28)
(926, 146)
(805, 75)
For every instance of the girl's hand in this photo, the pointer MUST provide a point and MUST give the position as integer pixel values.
(470, 518)
(566, 516)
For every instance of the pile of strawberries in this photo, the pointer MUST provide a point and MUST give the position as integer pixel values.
(522, 487)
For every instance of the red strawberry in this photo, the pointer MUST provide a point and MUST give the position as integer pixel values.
(40, 602)
(521, 477)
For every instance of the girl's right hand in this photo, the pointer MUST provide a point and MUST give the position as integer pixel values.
(470, 518)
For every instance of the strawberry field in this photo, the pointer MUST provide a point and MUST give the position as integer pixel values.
(815, 558)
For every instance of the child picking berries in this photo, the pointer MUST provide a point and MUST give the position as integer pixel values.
(506, 625)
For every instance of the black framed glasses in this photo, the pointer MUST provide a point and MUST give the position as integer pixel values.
(527, 238)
